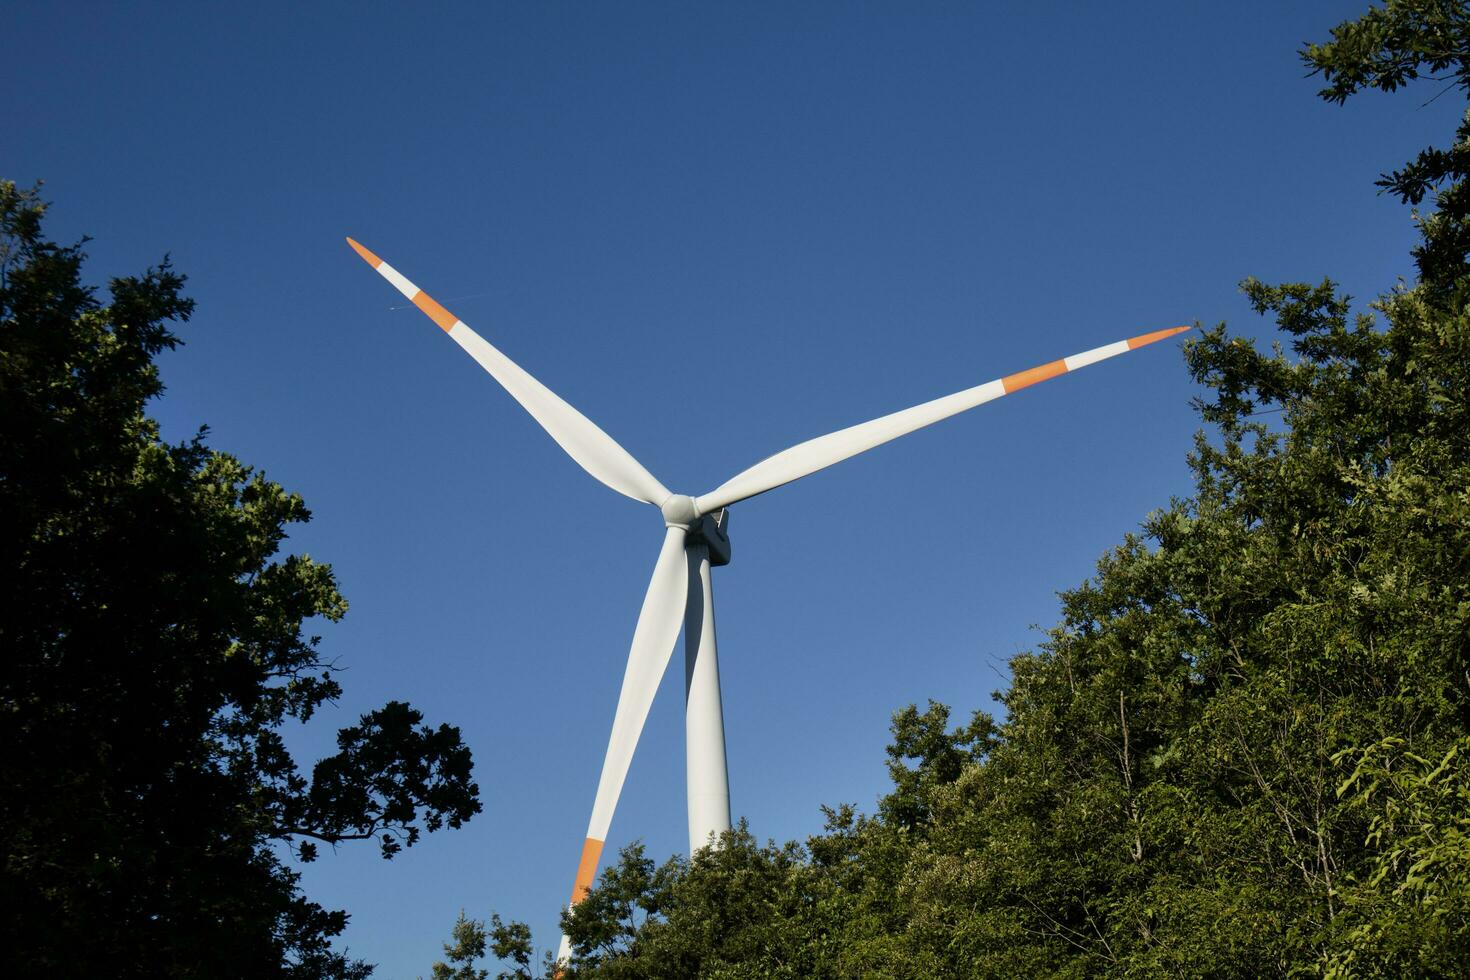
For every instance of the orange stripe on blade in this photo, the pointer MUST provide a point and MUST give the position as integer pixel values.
(1136, 342)
(586, 868)
(1022, 379)
(367, 256)
(437, 313)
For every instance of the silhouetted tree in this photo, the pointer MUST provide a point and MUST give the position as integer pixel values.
(153, 648)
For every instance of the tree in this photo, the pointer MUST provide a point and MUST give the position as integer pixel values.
(1409, 917)
(506, 941)
(468, 946)
(1385, 49)
(1241, 751)
(154, 649)
(726, 911)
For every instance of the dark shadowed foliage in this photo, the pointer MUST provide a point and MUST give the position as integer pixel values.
(153, 649)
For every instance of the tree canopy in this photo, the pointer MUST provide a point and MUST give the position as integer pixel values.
(155, 647)
(1241, 752)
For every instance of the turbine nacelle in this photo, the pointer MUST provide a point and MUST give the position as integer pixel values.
(712, 531)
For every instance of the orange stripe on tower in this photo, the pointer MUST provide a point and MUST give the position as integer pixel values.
(437, 313)
(367, 256)
(1022, 379)
(1142, 341)
(586, 868)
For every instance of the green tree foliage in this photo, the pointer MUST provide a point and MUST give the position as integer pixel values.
(510, 943)
(154, 649)
(1242, 751)
(1409, 915)
(468, 946)
(1385, 49)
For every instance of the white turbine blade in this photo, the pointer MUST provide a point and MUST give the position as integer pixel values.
(821, 452)
(594, 450)
(653, 642)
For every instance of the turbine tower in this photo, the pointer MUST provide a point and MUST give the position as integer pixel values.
(696, 539)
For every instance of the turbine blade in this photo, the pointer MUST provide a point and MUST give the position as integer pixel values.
(594, 450)
(653, 643)
(821, 452)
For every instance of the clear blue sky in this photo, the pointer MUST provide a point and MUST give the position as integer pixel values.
(717, 230)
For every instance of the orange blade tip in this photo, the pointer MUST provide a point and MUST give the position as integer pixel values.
(1136, 342)
(586, 869)
(367, 256)
(1031, 376)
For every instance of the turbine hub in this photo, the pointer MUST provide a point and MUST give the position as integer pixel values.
(679, 511)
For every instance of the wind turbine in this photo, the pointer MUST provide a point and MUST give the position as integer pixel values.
(695, 539)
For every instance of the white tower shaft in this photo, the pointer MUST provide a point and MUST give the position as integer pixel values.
(704, 718)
